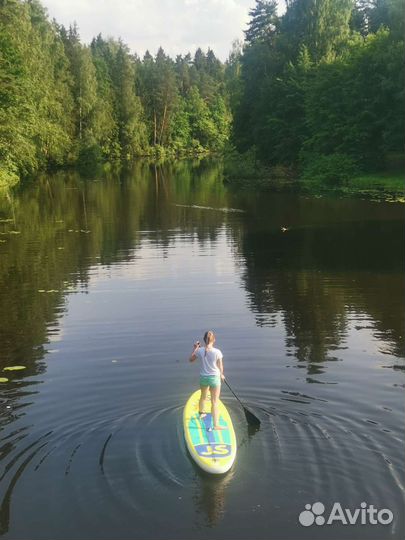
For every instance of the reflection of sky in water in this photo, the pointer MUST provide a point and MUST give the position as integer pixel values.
(180, 258)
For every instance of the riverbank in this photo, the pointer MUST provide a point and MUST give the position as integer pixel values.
(245, 173)
(90, 165)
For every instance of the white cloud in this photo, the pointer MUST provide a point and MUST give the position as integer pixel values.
(177, 25)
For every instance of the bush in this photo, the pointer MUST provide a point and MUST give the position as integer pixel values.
(89, 153)
(332, 168)
(242, 166)
(8, 175)
(90, 156)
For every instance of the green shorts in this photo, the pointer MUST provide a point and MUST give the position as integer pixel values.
(210, 380)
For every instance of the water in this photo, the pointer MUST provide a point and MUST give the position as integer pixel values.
(105, 283)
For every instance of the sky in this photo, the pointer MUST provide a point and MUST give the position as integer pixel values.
(178, 26)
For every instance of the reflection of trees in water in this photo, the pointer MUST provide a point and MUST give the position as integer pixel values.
(210, 490)
(209, 496)
(185, 183)
(338, 258)
(57, 228)
(326, 265)
(323, 270)
(65, 225)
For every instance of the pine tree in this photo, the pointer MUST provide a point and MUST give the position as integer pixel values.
(84, 83)
(321, 25)
(263, 21)
(132, 130)
(104, 121)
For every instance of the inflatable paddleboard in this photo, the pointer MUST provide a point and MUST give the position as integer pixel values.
(214, 451)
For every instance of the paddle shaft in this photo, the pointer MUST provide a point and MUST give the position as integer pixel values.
(227, 384)
(250, 417)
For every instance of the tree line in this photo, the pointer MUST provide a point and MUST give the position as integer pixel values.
(63, 102)
(321, 86)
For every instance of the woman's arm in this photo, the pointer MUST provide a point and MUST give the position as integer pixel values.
(193, 354)
(220, 364)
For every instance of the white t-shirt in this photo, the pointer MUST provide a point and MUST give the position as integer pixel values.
(209, 360)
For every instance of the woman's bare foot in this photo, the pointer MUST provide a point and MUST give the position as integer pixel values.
(202, 414)
(220, 428)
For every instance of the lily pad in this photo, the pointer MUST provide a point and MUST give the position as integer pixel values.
(3, 379)
(14, 368)
(48, 291)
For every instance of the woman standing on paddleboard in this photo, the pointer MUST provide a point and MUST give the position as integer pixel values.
(211, 374)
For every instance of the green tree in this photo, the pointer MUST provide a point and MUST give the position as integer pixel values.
(159, 93)
(105, 122)
(131, 127)
(35, 100)
(263, 21)
(203, 129)
(180, 133)
(323, 26)
(84, 82)
(355, 105)
(62, 101)
(370, 15)
(182, 68)
(327, 84)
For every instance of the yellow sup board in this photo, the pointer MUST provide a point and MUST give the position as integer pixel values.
(213, 450)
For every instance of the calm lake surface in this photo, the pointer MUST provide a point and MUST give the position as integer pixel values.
(106, 282)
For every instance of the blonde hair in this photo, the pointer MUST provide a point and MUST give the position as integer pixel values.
(209, 337)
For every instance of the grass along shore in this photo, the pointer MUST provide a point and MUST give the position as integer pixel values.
(245, 172)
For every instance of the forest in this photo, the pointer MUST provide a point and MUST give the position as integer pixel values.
(319, 88)
(63, 102)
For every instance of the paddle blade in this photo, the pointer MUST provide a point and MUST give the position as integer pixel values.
(251, 418)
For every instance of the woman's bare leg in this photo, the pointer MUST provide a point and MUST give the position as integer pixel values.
(215, 392)
(204, 392)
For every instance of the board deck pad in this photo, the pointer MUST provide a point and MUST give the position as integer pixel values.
(213, 450)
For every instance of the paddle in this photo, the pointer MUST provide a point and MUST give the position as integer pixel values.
(250, 417)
